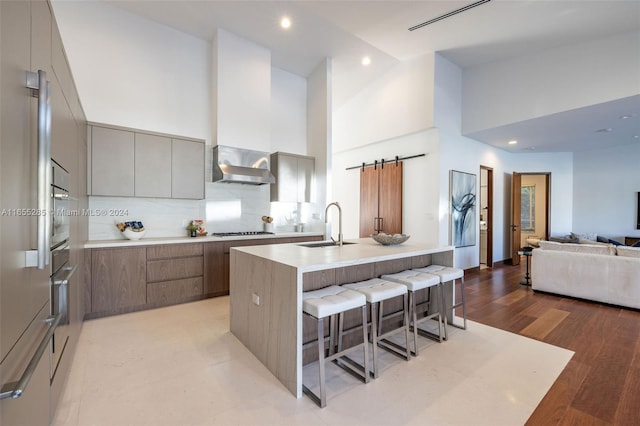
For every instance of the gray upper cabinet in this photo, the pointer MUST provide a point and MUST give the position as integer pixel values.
(294, 177)
(152, 166)
(112, 162)
(128, 163)
(187, 165)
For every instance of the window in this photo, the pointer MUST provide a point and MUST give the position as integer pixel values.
(528, 208)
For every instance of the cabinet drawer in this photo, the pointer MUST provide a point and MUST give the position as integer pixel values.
(174, 250)
(173, 291)
(174, 269)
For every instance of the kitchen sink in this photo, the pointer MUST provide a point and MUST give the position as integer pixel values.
(323, 244)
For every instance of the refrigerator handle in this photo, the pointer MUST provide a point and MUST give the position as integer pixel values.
(16, 389)
(40, 89)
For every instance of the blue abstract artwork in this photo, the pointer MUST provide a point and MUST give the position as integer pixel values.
(463, 209)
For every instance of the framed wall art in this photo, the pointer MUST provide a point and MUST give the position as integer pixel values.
(463, 208)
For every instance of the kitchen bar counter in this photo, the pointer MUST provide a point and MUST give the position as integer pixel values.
(267, 282)
(183, 240)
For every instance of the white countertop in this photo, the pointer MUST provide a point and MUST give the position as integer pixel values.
(366, 250)
(183, 240)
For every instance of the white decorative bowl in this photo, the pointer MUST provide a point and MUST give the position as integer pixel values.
(133, 235)
(389, 239)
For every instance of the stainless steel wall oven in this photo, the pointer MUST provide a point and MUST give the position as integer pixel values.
(61, 271)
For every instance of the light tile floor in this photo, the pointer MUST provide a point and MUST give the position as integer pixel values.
(180, 365)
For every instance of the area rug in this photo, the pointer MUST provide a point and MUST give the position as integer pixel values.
(181, 366)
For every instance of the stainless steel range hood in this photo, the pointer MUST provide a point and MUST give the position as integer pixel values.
(237, 165)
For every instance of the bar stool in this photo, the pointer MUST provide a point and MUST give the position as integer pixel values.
(415, 280)
(447, 274)
(376, 292)
(327, 302)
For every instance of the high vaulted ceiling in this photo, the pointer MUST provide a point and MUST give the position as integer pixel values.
(348, 30)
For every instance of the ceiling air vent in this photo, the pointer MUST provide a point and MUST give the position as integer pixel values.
(448, 14)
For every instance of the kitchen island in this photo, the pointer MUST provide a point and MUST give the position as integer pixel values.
(267, 282)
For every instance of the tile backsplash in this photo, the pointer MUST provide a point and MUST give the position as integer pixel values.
(226, 207)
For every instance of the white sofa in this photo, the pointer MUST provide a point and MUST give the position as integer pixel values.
(599, 272)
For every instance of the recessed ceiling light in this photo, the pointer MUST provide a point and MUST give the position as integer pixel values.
(606, 130)
(624, 117)
(512, 142)
(285, 22)
(366, 61)
(636, 136)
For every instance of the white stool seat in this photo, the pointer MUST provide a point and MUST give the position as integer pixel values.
(376, 289)
(445, 272)
(414, 280)
(331, 300)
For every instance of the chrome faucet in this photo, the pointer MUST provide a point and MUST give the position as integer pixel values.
(326, 219)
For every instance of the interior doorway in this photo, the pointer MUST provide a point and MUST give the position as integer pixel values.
(486, 217)
(531, 210)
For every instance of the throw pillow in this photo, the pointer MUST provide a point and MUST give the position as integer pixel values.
(614, 242)
(587, 235)
(564, 239)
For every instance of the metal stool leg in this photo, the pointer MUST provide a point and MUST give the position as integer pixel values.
(323, 391)
(374, 338)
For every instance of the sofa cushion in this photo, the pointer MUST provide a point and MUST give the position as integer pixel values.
(579, 248)
(615, 242)
(628, 251)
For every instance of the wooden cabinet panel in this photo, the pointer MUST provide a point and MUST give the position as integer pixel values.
(174, 250)
(214, 270)
(172, 269)
(112, 162)
(187, 169)
(381, 199)
(152, 166)
(167, 292)
(118, 278)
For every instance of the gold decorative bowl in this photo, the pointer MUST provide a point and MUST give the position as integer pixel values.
(389, 239)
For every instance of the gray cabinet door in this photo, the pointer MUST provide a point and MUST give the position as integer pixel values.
(294, 177)
(112, 162)
(187, 169)
(306, 169)
(152, 166)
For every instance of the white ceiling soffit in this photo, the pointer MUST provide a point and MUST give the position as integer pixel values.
(605, 125)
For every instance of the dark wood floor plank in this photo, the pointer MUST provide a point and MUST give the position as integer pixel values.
(601, 384)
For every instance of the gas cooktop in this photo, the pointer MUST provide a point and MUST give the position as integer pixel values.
(235, 234)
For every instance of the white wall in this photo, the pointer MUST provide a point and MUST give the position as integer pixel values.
(398, 103)
(319, 138)
(604, 195)
(419, 186)
(467, 155)
(243, 103)
(551, 81)
(133, 72)
(288, 112)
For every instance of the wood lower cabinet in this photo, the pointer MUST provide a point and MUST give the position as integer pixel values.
(132, 279)
(381, 199)
(118, 278)
(175, 273)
